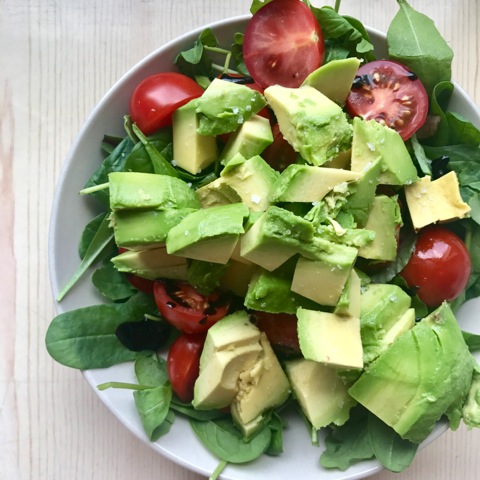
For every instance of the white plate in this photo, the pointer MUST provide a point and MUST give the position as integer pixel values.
(71, 213)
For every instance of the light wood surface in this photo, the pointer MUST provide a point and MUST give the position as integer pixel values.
(58, 58)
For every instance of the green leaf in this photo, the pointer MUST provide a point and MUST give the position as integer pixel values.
(85, 338)
(188, 411)
(420, 156)
(151, 370)
(111, 283)
(472, 340)
(462, 131)
(414, 40)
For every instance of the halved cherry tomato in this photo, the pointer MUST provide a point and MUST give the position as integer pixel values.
(156, 97)
(187, 309)
(280, 329)
(283, 43)
(391, 94)
(279, 154)
(439, 267)
(183, 364)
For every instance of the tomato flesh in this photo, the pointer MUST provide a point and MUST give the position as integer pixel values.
(391, 94)
(279, 154)
(280, 329)
(156, 98)
(283, 43)
(183, 364)
(439, 267)
(187, 309)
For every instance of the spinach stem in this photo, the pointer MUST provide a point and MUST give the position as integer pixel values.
(220, 467)
(337, 5)
(128, 386)
(95, 188)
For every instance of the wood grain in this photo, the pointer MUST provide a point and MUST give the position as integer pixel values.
(58, 59)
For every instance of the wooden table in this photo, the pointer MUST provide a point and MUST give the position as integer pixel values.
(58, 58)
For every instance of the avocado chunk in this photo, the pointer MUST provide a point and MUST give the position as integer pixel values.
(254, 135)
(373, 141)
(225, 106)
(237, 277)
(330, 339)
(471, 409)
(134, 190)
(425, 374)
(152, 264)
(382, 307)
(334, 79)
(191, 151)
(350, 301)
(320, 392)
(385, 220)
(435, 201)
(307, 183)
(138, 230)
(216, 193)
(208, 234)
(312, 124)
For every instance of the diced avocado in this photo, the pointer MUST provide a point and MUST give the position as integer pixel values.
(225, 106)
(275, 237)
(471, 409)
(435, 201)
(141, 229)
(404, 323)
(425, 374)
(251, 139)
(321, 393)
(335, 78)
(312, 124)
(152, 264)
(237, 277)
(360, 201)
(307, 183)
(349, 302)
(385, 220)
(323, 278)
(260, 388)
(134, 190)
(330, 339)
(382, 306)
(191, 151)
(373, 141)
(342, 160)
(208, 234)
(217, 193)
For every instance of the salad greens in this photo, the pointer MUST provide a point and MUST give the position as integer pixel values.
(86, 338)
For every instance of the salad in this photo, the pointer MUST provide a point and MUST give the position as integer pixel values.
(289, 230)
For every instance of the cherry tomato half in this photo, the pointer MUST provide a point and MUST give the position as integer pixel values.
(280, 329)
(279, 154)
(391, 94)
(156, 97)
(283, 43)
(439, 267)
(187, 309)
(183, 364)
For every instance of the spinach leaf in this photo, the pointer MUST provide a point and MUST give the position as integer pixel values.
(462, 131)
(190, 412)
(423, 161)
(276, 425)
(151, 370)
(472, 340)
(101, 240)
(85, 338)
(111, 283)
(153, 406)
(413, 39)
(237, 54)
(89, 233)
(394, 453)
(222, 438)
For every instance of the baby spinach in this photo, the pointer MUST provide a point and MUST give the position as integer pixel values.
(85, 338)
(413, 39)
(151, 370)
(111, 283)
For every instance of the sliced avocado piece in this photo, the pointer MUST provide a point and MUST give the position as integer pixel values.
(373, 141)
(385, 220)
(425, 374)
(191, 151)
(225, 106)
(152, 264)
(208, 234)
(335, 78)
(330, 339)
(349, 302)
(134, 190)
(261, 388)
(138, 230)
(237, 277)
(307, 183)
(404, 323)
(382, 305)
(217, 193)
(254, 135)
(321, 393)
(312, 124)
(471, 408)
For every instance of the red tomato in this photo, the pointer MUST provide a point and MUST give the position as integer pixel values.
(283, 43)
(158, 96)
(280, 329)
(439, 267)
(279, 154)
(183, 364)
(391, 94)
(143, 284)
(186, 309)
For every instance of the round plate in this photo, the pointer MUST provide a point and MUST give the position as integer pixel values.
(71, 213)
